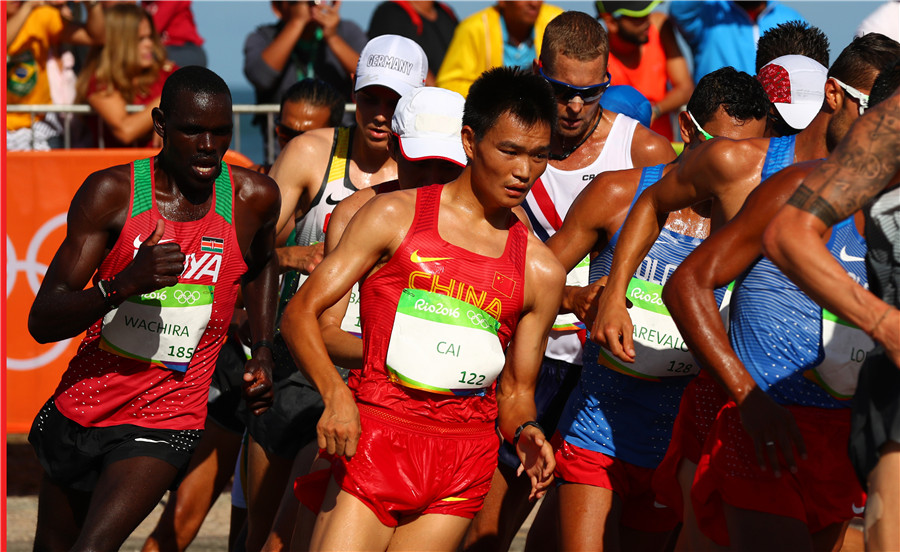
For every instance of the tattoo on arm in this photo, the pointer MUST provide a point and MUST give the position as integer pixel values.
(859, 168)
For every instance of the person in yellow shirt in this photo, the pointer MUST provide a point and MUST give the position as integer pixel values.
(32, 30)
(506, 34)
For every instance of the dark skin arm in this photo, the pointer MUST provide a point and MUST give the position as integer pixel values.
(62, 307)
(865, 163)
(689, 296)
(256, 213)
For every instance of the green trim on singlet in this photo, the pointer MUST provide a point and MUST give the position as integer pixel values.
(143, 187)
(223, 193)
(143, 190)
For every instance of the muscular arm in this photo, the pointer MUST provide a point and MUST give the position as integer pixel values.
(708, 171)
(595, 215)
(689, 296)
(345, 350)
(862, 166)
(544, 280)
(256, 212)
(62, 307)
(372, 234)
(299, 170)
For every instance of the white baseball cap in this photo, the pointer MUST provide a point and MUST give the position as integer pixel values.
(392, 61)
(427, 122)
(796, 85)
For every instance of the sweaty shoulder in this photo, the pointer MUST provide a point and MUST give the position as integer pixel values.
(304, 158)
(649, 148)
(542, 269)
(386, 217)
(104, 197)
(253, 188)
(733, 158)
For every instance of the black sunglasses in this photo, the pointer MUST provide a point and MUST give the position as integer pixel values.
(566, 92)
(286, 131)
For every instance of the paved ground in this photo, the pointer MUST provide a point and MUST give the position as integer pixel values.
(23, 475)
(23, 479)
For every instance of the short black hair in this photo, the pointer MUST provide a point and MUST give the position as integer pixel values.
(318, 93)
(885, 85)
(864, 58)
(193, 79)
(742, 96)
(524, 95)
(797, 38)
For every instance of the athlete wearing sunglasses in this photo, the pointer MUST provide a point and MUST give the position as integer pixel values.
(566, 92)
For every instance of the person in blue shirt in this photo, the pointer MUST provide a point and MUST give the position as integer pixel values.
(725, 32)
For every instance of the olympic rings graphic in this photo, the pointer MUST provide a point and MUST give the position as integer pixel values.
(478, 319)
(33, 270)
(187, 297)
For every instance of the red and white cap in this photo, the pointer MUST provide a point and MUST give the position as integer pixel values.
(392, 61)
(427, 122)
(796, 85)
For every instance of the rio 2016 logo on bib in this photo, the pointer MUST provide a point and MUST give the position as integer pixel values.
(443, 345)
(162, 327)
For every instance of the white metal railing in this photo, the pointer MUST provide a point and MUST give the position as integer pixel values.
(270, 110)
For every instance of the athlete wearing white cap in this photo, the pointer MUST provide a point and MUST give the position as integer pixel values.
(796, 86)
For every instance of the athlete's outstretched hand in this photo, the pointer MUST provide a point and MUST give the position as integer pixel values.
(257, 386)
(612, 327)
(339, 428)
(537, 459)
(302, 258)
(583, 300)
(156, 265)
(772, 429)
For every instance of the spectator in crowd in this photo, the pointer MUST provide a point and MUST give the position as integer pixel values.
(507, 34)
(430, 24)
(174, 21)
(724, 32)
(32, 31)
(309, 40)
(644, 53)
(130, 68)
(884, 20)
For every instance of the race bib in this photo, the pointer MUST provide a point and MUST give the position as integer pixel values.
(846, 347)
(659, 350)
(443, 345)
(350, 323)
(579, 276)
(162, 327)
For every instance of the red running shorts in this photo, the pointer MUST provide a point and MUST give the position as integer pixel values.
(824, 491)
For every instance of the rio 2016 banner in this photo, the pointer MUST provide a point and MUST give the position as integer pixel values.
(39, 188)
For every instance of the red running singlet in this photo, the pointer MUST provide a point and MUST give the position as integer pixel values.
(149, 362)
(426, 265)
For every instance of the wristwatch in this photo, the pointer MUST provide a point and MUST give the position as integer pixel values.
(105, 287)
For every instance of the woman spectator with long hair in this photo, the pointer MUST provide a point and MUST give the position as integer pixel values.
(129, 69)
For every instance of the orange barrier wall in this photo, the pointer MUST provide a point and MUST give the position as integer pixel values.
(39, 188)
